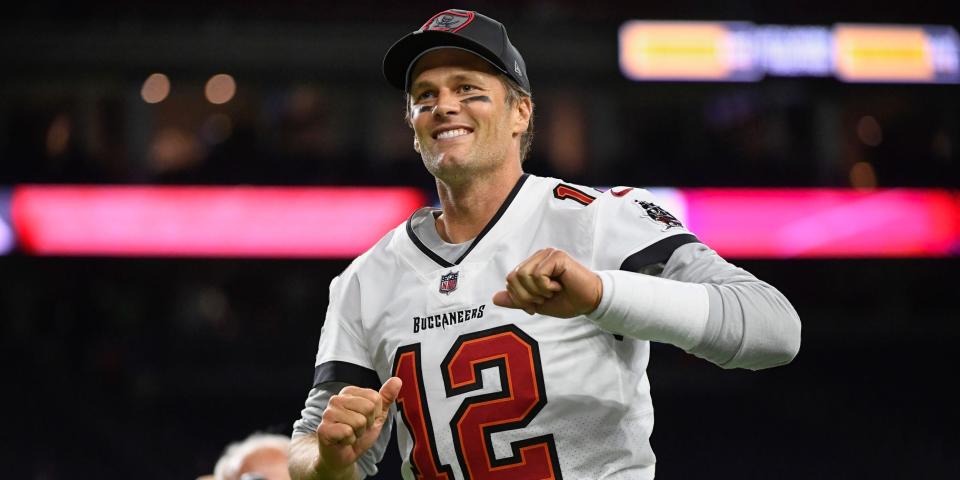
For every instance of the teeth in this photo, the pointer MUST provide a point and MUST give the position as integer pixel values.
(452, 133)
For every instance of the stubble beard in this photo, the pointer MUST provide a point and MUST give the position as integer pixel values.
(472, 165)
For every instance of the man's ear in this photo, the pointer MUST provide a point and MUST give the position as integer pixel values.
(524, 109)
(416, 144)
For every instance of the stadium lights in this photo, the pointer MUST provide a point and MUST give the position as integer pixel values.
(155, 88)
(220, 89)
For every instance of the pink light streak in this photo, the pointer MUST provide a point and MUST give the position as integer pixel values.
(343, 222)
(207, 221)
(787, 223)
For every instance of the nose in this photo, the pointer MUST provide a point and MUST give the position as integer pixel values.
(447, 104)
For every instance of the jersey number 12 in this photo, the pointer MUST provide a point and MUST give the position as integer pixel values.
(522, 396)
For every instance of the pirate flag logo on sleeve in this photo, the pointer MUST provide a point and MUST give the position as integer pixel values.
(659, 215)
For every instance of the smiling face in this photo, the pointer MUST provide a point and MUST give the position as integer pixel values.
(464, 126)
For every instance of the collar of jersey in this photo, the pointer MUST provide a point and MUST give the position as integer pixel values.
(486, 229)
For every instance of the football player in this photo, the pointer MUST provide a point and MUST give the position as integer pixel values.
(509, 331)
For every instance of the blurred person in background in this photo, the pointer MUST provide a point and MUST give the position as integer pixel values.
(260, 456)
(513, 325)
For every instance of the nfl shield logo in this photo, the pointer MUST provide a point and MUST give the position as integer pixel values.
(448, 282)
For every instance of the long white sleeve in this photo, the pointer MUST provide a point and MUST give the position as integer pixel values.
(652, 308)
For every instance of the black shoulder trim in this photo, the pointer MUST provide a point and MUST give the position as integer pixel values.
(657, 253)
(493, 221)
(423, 248)
(346, 373)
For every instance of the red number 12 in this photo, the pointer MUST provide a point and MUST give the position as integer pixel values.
(522, 396)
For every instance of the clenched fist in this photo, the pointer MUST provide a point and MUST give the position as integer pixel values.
(551, 282)
(352, 422)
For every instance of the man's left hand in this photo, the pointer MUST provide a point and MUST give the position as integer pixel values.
(552, 283)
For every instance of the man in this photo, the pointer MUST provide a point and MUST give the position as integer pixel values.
(509, 330)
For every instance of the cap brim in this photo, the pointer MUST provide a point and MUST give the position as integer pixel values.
(400, 57)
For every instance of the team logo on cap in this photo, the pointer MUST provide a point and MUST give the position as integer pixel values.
(449, 21)
(448, 282)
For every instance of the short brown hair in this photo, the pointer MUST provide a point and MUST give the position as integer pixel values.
(514, 94)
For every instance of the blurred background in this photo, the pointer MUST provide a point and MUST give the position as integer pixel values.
(177, 190)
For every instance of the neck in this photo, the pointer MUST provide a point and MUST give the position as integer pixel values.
(470, 205)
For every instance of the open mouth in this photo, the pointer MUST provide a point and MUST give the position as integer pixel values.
(454, 133)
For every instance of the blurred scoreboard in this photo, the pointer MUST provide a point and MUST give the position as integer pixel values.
(744, 52)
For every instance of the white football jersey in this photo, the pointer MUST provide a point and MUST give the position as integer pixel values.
(491, 392)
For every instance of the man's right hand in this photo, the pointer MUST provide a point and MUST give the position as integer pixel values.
(352, 423)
